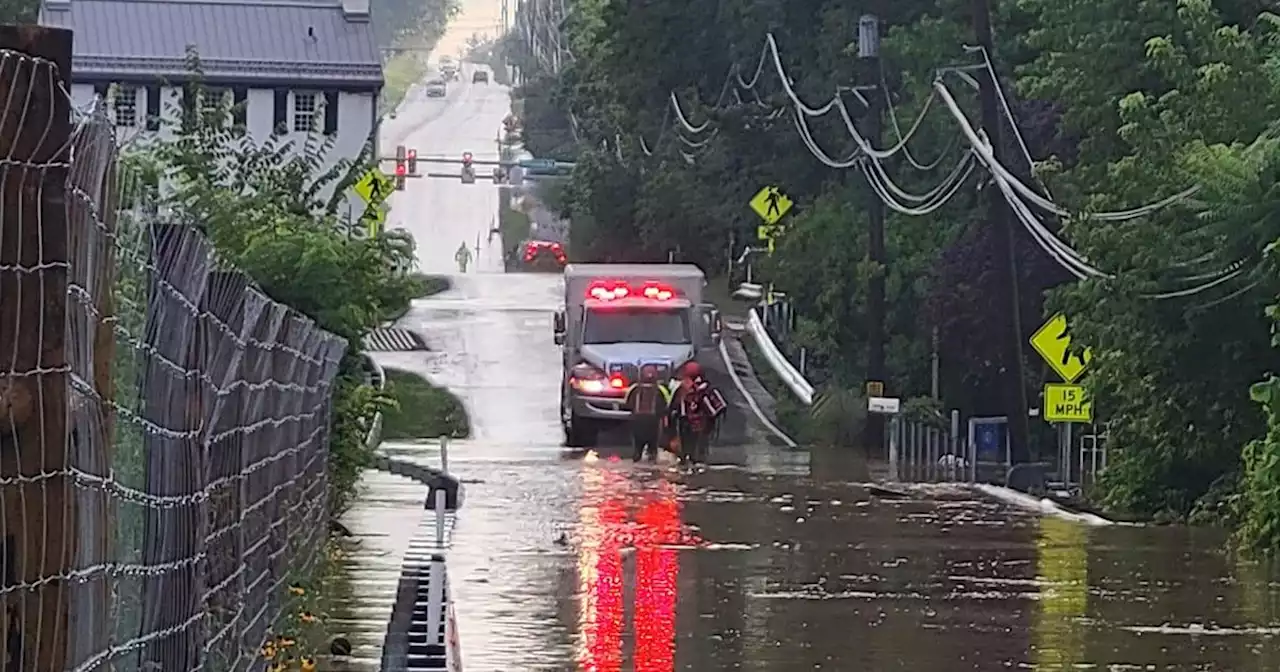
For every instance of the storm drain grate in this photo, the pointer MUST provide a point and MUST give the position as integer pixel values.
(393, 340)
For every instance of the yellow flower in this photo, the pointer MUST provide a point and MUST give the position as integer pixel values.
(269, 650)
(308, 664)
(285, 642)
(297, 590)
(276, 667)
(307, 617)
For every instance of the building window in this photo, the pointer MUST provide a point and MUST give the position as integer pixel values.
(213, 102)
(306, 111)
(124, 103)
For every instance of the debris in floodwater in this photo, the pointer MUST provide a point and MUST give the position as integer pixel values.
(885, 493)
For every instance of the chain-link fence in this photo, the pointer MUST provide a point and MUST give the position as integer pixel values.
(163, 424)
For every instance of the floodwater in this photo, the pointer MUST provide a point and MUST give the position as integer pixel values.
(771, 559)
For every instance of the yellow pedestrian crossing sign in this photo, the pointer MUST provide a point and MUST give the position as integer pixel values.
(771, 204)
(374, 187)
(1053, 342)
(374, 219)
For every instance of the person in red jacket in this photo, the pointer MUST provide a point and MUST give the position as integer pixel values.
(696, 409)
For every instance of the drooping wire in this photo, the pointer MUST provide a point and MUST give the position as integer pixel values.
(867, 159)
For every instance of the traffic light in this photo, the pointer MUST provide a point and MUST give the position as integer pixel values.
(413, 162)
(468, 170)
(400, 167)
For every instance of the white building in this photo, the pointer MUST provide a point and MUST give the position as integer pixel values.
(303, 66)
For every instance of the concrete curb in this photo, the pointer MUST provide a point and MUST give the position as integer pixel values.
(751, 400)
(1041, 505)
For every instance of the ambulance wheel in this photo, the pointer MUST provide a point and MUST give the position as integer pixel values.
(580, 433)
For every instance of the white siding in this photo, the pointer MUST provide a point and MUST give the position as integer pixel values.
(355, 121)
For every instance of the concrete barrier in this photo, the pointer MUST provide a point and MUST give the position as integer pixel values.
(422, 633)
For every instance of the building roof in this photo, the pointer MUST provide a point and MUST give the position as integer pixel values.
(301, 41)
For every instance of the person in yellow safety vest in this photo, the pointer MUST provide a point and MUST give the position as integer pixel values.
(463, 257)
(647, 400)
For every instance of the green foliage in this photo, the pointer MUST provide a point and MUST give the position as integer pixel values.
(19, 11)
(400, 73)
(412, 23)
(422, 410)
(1120, 103)
(270, 210)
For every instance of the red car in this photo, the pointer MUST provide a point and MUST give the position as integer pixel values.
(539, 253)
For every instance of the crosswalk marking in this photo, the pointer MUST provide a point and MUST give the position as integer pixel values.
(393, 340)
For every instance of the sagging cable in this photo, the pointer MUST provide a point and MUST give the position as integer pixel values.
(987, 156)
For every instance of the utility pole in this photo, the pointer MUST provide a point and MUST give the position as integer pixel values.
(999, 216)
(869, 53)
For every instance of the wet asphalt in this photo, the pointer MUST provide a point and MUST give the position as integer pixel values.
(771, 559)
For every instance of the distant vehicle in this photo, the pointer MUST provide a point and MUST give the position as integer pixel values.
(436, 88)
(544, 254)
(449, 69)
(618, 318)
(480, 77)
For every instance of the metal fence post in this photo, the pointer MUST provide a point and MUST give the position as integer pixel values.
(34, 258)
(441, 503)
(444, 455)
(894, 427)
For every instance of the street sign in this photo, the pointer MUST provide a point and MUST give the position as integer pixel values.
(374, 187)
(771, 204)
(1053, 342)
(1066, 403)
(768, 231)
(374, 219)
(538, 165)
(884, 405)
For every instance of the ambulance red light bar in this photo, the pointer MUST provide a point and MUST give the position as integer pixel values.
(609, 291)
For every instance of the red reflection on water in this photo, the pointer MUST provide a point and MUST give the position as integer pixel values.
(657, 570)
(607, 531)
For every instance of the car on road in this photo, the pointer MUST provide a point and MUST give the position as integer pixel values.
(480, 77)
(436, 88)
(544, 255)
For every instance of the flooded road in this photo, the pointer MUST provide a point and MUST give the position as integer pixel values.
(772, 559)
(778, 560)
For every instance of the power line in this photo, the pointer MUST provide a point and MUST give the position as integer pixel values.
(868, 160)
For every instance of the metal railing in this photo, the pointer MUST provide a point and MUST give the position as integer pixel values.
(791, 377)
(930, 452)
(168, 422)
(422, 633)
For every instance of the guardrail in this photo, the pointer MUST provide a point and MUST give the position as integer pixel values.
(793, 379)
